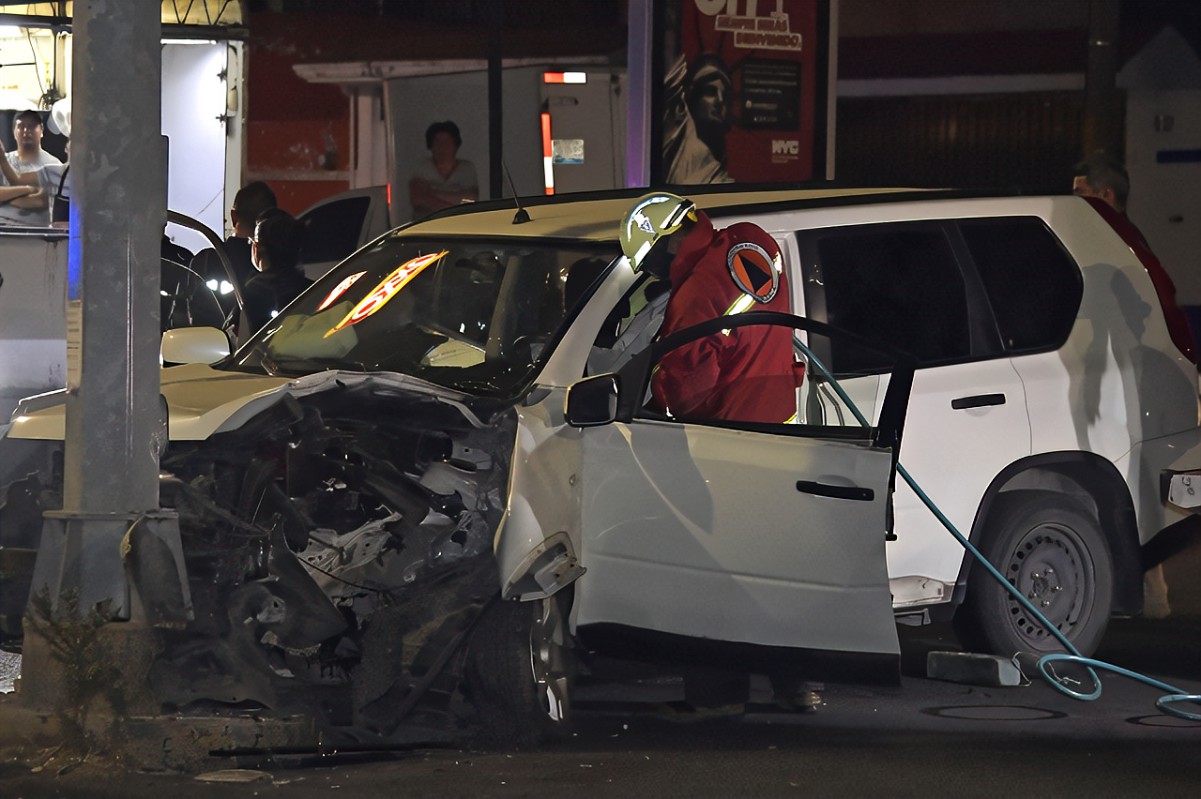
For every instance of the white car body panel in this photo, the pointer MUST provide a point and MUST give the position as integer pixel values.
(701, 531)
(973, 443)
(543, 486)
(1146, 464)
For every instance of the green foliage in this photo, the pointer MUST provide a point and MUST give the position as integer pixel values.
(89, 668)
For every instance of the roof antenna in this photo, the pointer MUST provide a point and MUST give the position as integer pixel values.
(522, 216)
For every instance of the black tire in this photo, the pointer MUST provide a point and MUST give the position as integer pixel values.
(1053, 550)
(520, 672)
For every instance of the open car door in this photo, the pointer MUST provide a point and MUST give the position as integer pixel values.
(753, 533)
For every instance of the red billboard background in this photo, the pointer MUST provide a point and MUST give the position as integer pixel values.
(743, 98)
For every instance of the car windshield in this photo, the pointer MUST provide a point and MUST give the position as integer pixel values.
(471, 314)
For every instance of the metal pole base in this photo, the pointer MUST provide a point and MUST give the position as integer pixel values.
(130, 564)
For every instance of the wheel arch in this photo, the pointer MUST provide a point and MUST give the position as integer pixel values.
(1096, 483)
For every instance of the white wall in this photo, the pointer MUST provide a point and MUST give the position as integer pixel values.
(194, 100)
(1163, 157)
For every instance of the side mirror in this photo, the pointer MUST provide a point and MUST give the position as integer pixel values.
(194, 345)
(592, 402)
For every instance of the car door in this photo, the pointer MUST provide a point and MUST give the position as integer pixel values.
(752, 533)
(904, 283)
(339, 225)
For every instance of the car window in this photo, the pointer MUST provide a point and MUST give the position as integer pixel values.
(714, 385)
(1033, 284)
(897, 284)
(332, 230)
(185, 300)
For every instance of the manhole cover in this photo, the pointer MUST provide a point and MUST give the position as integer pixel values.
(1164, 720)
(995, 713)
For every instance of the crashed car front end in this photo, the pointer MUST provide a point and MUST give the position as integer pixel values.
(339, 485)
(338, 547)
(340, 542)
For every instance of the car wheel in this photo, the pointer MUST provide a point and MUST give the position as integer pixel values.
(1052, 549)
(520, 672)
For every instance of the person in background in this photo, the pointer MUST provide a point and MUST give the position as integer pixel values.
(275, 250)
(1107, 180)
(55, 181)
(28, 131)
(443, 180)
(22, 199)
(250, 202)
(31, 176)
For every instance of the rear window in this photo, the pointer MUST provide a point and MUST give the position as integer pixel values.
(899, 284)
(1033, 284)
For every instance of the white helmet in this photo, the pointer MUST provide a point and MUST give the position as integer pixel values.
(652, 217)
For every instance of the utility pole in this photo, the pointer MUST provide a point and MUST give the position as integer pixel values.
(638, 65)
(1102, 109)
(110, 524)
(496, 119)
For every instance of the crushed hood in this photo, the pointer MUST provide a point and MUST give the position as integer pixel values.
(202, 400)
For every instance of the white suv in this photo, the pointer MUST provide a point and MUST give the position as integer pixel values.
(443, 418)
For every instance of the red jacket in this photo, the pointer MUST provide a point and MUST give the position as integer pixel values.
(750, 374)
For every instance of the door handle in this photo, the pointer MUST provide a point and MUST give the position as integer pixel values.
(978, 401)
(837, 492)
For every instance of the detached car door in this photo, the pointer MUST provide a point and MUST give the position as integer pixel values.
(766, 534)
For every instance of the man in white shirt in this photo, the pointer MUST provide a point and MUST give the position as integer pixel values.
(29, 155)
(26, 205)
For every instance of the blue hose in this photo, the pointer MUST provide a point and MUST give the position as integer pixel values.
(1166, 703)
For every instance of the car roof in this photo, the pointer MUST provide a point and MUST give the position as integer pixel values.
(596, 216)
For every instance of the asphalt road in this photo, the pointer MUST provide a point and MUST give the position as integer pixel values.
(921, 738)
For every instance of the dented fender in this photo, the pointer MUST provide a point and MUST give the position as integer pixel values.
(538, 541)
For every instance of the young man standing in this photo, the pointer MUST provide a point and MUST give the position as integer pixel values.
(29, 155)
(24, 201)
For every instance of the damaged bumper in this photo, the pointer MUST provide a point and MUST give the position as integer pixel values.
(338, 544)
(1183, 489)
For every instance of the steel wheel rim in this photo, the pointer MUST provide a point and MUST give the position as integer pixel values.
(1050, 567)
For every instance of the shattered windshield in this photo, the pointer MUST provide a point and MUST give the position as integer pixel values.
(471, 314)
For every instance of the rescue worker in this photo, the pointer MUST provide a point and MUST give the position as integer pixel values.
(746, 374)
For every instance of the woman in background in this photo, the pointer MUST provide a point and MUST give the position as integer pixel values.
(444, 179)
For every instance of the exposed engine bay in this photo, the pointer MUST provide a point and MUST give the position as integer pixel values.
(338, 548)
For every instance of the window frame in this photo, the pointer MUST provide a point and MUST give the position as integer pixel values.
(985, 339)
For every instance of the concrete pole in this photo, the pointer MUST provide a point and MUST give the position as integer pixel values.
(114, 420)
(117, 218)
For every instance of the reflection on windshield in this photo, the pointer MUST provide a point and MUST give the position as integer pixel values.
(385, 291)
(470, 314)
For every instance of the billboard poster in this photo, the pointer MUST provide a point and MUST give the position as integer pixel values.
(744, 94)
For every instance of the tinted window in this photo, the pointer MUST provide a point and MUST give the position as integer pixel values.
(331, 231)
(892, 283)
(1034, 286)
